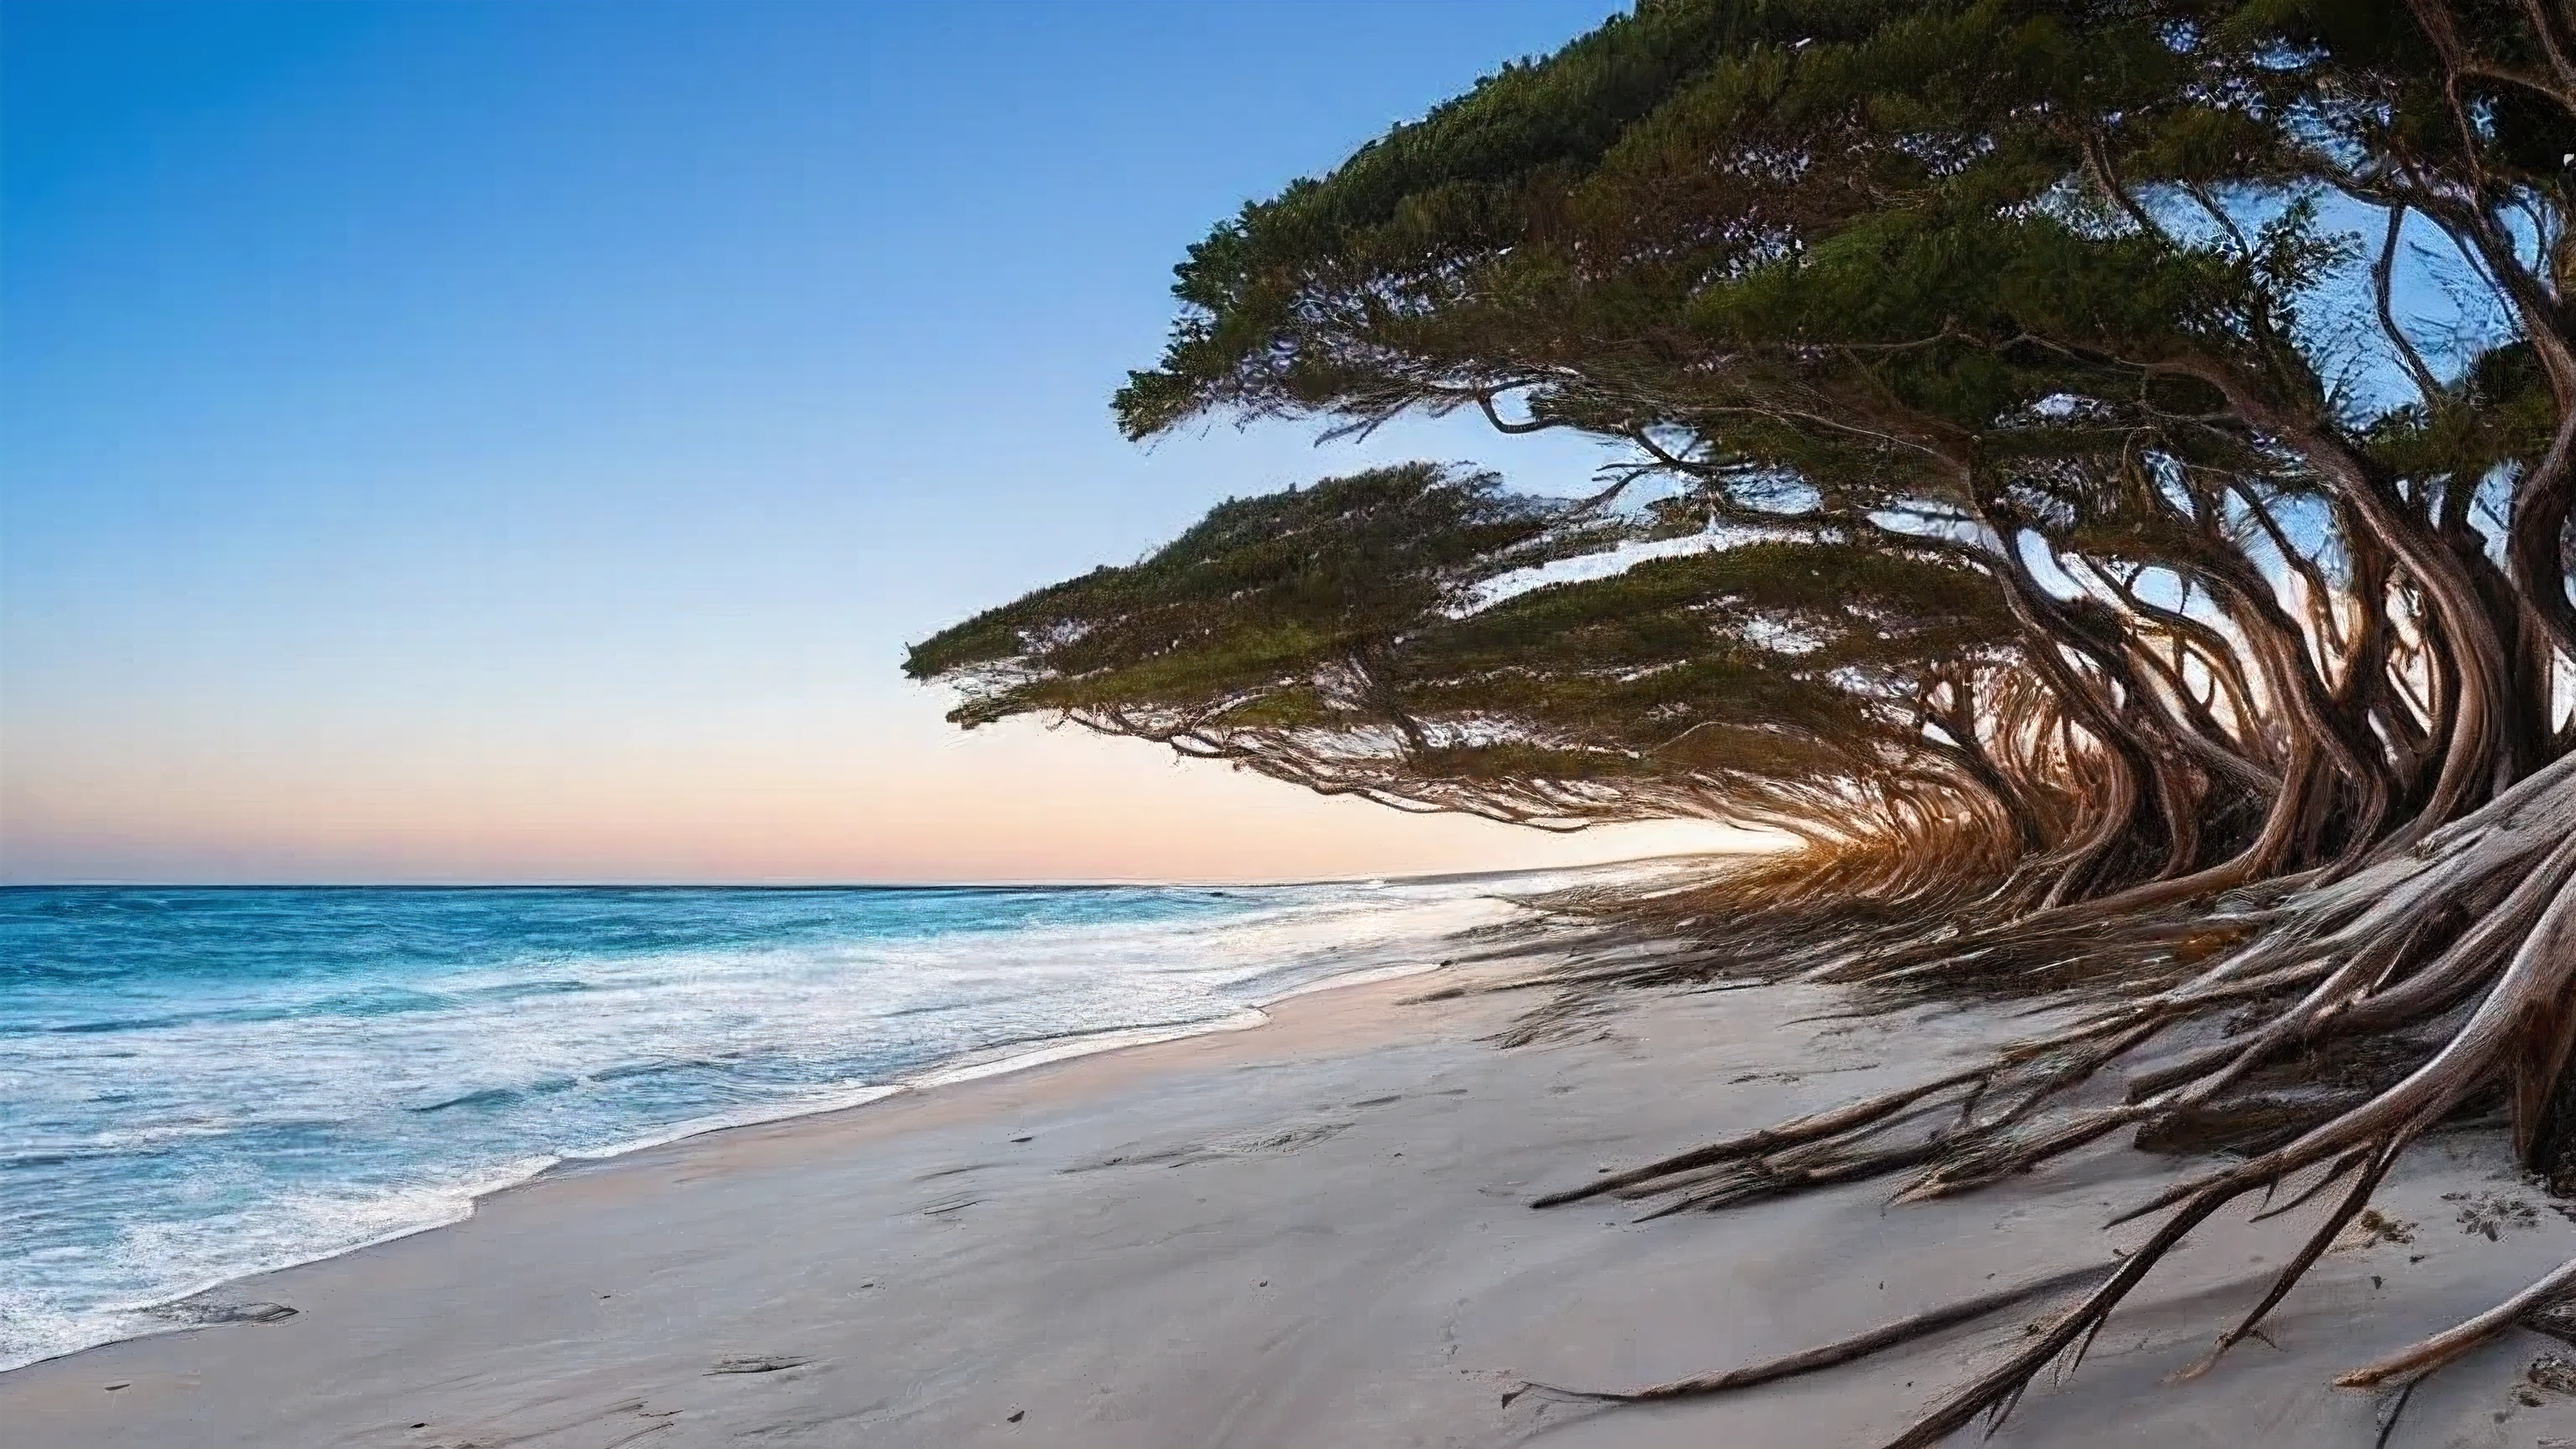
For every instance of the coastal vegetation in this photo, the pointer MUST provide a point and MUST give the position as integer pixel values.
(2097, 473)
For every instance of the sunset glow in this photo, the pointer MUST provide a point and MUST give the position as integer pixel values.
(517, 443)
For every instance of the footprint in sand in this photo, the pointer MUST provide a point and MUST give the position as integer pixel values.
(767, 1363)
(557, 1426)
(1276, 1140)
(1268, 1141)
(208, 1314)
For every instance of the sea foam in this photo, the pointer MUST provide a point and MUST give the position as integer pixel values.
(200, 1085)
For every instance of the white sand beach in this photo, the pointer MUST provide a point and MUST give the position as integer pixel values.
(1309, 1235)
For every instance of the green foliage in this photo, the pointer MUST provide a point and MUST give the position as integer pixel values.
(1250, 599)
(2006, 350)
(1345, 632)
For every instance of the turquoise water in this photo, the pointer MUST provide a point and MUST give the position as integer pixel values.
(196, 1084)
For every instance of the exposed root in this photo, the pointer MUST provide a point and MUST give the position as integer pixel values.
(1841, 1351)
(2354, 1016)
(2374, 1163)
(2396, 1411)
(2418, 1360)
(1787, 1134)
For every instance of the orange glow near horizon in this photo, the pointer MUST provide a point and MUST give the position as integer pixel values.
(411, 477)
(799, 803)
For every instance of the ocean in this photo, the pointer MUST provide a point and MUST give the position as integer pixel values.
(197, 1084)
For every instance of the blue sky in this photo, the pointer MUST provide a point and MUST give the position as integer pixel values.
(515, 441)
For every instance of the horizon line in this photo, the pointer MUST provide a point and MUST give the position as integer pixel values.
(1130, 883)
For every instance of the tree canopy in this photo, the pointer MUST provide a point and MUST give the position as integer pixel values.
(1396, 635)
(2097, 299)
(2114, 455)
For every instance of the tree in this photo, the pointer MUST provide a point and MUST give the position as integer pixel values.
(2076, 322)
(1392, 635)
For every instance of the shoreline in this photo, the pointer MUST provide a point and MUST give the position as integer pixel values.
(1314, 1234)
(974, 1065)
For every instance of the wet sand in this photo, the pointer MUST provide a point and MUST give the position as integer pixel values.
(1309, 1235)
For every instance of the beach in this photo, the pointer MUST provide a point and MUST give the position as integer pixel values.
(1311, 1233)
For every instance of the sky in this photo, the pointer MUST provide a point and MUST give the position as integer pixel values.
(516, 441)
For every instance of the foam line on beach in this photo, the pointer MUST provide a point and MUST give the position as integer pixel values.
(446, 1208)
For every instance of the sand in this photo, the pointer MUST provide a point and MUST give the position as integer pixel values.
(1308, 1235)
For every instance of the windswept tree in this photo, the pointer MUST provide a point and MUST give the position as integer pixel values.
(1395, 635)
(2139, 435)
